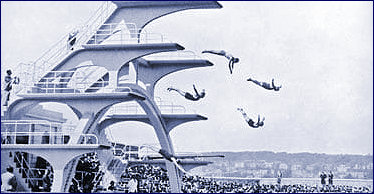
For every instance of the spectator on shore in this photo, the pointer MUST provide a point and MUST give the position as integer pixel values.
(279, 177)
(331, 176)
(323, 179)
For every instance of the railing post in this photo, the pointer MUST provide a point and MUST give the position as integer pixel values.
(29, 139)
(50, 134)
(15, 133)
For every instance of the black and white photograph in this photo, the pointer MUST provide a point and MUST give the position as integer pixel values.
(187, 96)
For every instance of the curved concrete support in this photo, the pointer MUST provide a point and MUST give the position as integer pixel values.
(171, 120)
(141, 13)
(112, 57)
(19, 108)
(76, 111)
(165, 142)
(154, 115)
(150, 72)
(88, 102)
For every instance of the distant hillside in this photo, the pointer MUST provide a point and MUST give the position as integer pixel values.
(296, 158)
(266, 164)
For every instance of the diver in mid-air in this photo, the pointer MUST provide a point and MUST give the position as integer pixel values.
(266, 85)
(250, 122)
(229, 56)
(172, 159)
(188, 95)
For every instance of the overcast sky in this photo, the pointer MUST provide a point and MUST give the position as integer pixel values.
(321, 52)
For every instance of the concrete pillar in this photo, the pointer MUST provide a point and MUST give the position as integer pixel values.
(58, 180)
(113, 80)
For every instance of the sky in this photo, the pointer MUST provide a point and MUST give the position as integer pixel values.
(320, 52)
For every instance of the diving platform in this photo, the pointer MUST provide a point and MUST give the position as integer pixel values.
(112, 56)
(187, 164)
(79, 102)
(171, 120)
(114, 41)
(141, 13)
(77, 96)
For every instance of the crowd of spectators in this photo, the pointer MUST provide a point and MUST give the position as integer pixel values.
(87, 174)
(153, 179)
(144, 179)
(197, 184)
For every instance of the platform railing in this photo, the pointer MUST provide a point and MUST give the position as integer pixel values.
(54, 138)
(144, 150)
(126, 155)
(14, 125)
(70, 79)
(175, 55)
(78, 88)
(133, 36)
(134, 108)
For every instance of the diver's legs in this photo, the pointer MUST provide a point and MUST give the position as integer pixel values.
(177, 90)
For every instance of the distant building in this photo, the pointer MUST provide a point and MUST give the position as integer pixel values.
(239, 165)
(342, 168)
(283, 166)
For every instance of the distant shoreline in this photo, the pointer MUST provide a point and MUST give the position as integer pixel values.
(309, 181)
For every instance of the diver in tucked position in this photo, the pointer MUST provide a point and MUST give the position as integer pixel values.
(229, 56)
(266, 85)
(188, 95)
(250, 122)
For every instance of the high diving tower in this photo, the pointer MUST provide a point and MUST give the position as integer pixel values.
(114, 40)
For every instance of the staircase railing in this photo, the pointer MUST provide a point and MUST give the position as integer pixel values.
(60, 49)
(31, 174)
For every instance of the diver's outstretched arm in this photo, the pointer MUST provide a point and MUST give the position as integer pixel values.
(276, 88)
(194, 88)
(231, 65)
(245, 116)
